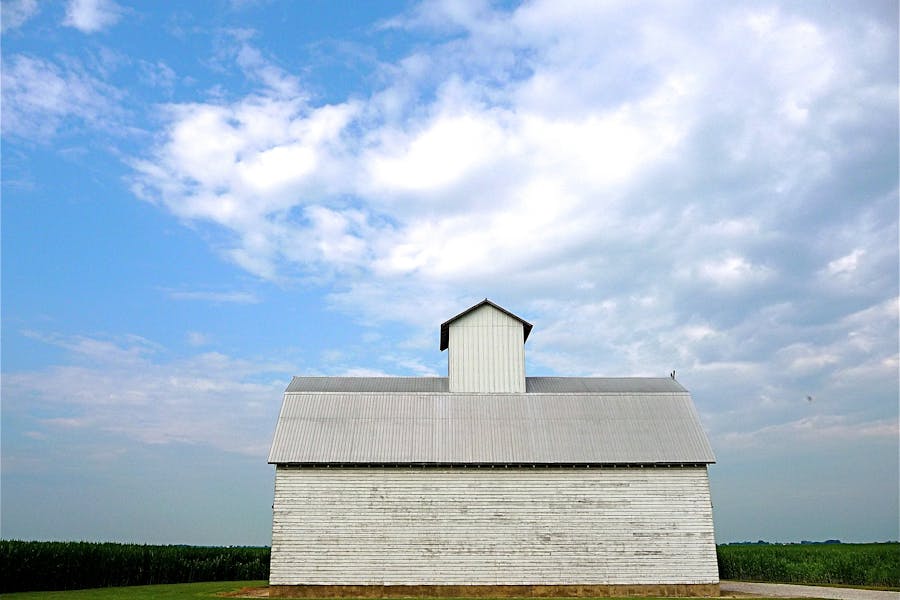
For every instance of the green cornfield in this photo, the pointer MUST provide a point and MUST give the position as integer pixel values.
(871, 565)
(33, 566)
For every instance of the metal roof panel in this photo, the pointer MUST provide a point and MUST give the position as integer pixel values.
(440, 427)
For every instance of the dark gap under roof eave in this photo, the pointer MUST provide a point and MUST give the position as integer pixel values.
(492, 465)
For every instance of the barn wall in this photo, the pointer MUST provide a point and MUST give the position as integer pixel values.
(486, 352)
(492, 527)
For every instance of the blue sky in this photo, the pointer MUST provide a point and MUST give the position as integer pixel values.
(201, 199)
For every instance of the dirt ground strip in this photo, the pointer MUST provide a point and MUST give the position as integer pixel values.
(263, 592)
(247, 592)
(729, 589)
(784, 590)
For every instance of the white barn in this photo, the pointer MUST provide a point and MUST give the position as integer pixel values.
(488, 482)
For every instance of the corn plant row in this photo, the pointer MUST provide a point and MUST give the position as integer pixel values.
(875, 565)
(27, 566)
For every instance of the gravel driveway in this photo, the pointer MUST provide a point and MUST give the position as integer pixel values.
(805, 591)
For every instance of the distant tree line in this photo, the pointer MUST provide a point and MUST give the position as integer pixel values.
(34, 566)
(765, 543)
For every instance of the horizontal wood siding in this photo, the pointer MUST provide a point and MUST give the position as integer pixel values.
(487, 352)
(372, 526)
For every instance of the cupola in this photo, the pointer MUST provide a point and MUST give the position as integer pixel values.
(486, 346)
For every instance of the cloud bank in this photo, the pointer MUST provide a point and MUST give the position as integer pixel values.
(134, 388)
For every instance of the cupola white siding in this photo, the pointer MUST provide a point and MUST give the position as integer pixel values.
(486, 352)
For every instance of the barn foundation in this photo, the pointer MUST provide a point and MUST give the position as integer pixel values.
(695, 590)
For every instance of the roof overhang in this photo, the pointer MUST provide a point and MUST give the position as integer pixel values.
(421, 465)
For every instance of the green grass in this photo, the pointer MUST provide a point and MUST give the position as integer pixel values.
(173, 591)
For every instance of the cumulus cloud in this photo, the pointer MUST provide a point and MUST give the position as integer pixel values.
(663, 188)
(91, 16)
(242, 166)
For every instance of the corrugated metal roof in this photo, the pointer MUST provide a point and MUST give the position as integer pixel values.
(532, 428)
(602, 384)
(445, 326)
(368, 384)
(543, 385)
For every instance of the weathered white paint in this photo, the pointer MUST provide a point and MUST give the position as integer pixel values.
(492, 526)
(486, 352)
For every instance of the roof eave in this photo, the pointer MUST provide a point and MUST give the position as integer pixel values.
(494, 465)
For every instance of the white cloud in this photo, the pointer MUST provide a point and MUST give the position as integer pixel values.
(157, 74)
(446, 152)
(13, 13)
(362, 372)
(129, 349)
(91, 16)
(197, 338)
(127, 387)
(452, 177)
(41, 97)
(732, 272)
(804, 358)
(845, 265)
(231, 297)
(276, 80)
(814, 429)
